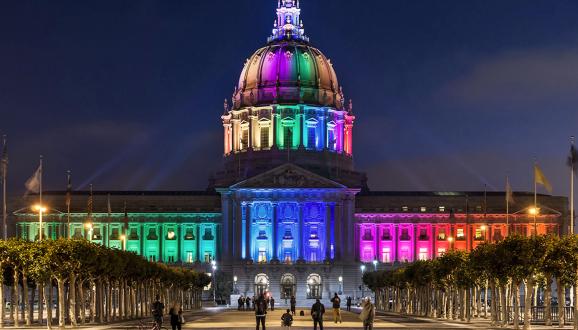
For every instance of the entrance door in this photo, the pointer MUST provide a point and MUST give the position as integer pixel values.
(261, 284)
(287, 286)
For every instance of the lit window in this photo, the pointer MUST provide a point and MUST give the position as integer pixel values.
(331, 140)
(311, 138)
(385, 255)
(405, 208)
(478, 234)
(460, 234)
(441, 251)
(245, 138)
(423, 209)
(288, 137)
(441, 234)
(442, 208)
(262, 255)
(265, 137)
(190, 257)
(422, 253)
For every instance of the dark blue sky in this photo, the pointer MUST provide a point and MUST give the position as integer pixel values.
(449, 95)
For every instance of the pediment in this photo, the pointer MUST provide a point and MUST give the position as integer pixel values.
(288, 176)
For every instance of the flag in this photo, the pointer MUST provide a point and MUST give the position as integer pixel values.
(4, 168)
(68, 190)
(573, 159)
(540, 178)
(509, 192)
(33, 183)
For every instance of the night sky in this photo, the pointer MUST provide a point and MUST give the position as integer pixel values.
(449, 95)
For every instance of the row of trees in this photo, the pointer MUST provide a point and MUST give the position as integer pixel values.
(458, 283)
(93, 283)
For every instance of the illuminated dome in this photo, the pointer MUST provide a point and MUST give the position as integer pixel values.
(288, 72)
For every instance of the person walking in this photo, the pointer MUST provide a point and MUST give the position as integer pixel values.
(247, 303)
(157, 309)
(293, 302)
(272, 303)
(367, 314)
(175, 317)
(240, 303)
(260, 311)
(336, 301)
(317, 311)
(349, 303)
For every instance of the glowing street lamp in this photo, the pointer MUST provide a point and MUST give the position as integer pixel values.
(123, 241)
(374, 264)
(40, 209)
(340, 284)
(362, 267)
(534, 211)
(88, 227)
(214, 268)
(235, 284)
(451, 240)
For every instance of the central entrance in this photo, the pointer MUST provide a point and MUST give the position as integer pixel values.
(287, 286)
(261, 284)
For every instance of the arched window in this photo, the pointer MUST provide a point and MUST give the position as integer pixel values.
(288, 286)
(314, 286)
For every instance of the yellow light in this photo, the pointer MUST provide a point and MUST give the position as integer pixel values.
(122, 237)
(483, 227)
(88, 225)
(533, 210)
(450, 239)
(39, 208)
(171, 235)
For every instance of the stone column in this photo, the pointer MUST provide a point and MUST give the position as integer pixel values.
(327, 231)
(274, 127)
(337, 234)
(251, 130)
(301, 129)
(160, 245)
(248, 224)
(242, 228)
(179, 242)
(377, 239)
(433, 239)
(199, 253)
(275, 226)
(395, 242)
(300, 230)
(415, 250)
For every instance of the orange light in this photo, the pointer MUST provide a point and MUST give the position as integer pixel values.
(39, 208)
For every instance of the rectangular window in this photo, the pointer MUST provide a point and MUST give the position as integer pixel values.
(190, 257)
(264, 137)
(311, 138)
(208, 257)
(422, 253)
(442, 208)
(405, 208)
(478, 235)
(441, 251)
(313, 256)
(423, 209)
(288, 137)
(423, 234)
(287, 257)
(244, 138)
(171, 259)
(386, 234)
(331, 140)
(404, 235)
(385, 255)
(441, 234)
(367, 254)
(367, 234)
(262, 255)
(460, 236)
(404, 254)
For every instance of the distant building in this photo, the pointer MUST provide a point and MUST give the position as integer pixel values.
(289, 214)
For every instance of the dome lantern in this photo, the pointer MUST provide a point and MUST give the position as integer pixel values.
(288, 25)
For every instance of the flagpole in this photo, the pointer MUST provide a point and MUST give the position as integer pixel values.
(68, 202)
(4, 175)
(535, 201)
(508, 189)
(572, 189)
(40, 200)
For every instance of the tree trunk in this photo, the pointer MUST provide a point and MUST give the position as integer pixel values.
(40, 303)
(469, 305)
(92, 301)
(49, 305)
(548, 301)
(61, 300)
(14, 303)
(120, 300)
(25, 301)
(82, 299)
(528, 288)
(2, 310)
(72, 298)
(515, 293)
(31, 304)
(575, 298)
(505, 306)
(561, 302)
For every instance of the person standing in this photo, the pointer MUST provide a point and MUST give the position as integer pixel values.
(260, 311)
(272, 303)
(367, 314)
(175, 315)
(293, 302)
(247, 303)
(240, 303)
(336, 301)
(317, 311)
(349, 303)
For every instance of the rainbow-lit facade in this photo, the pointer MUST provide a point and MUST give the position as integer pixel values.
(288, 213)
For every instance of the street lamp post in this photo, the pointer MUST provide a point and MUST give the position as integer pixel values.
(123, 241)
(534, 211)
(340, 284)
(451, 240)
(88, 227)
(214, 267)
(235, 284)
(41, 209)
(375, 264)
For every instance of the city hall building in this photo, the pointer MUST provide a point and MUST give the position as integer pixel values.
(289, 213)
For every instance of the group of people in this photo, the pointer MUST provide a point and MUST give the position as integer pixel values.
(175, 314)
(261, 303)
(245, 303)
